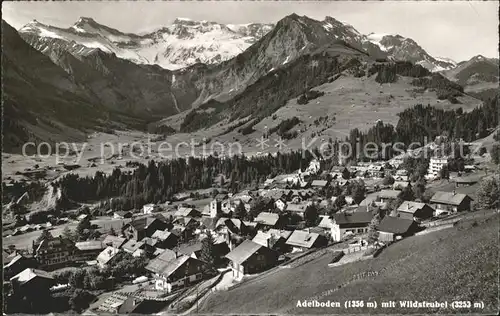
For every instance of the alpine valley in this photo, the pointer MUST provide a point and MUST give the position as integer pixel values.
(222, 82)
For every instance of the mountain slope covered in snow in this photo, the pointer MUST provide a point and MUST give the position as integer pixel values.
(181, 44)
(402, 48)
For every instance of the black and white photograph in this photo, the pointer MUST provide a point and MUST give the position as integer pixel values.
(250, 157)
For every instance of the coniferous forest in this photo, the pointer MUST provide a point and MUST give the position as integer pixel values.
(159, 181)
(423, 123)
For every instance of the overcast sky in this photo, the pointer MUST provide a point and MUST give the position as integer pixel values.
(453, 29)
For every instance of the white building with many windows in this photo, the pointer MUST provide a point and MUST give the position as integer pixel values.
(435, 166)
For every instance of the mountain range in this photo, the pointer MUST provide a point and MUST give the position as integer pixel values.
(186, 42)
(204, 71)
(181, 44)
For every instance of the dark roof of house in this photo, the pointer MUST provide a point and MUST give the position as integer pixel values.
(160, 217)
(244, 251)
(13, 261)
(233, 224)
(395, 225)
(353, 218)
(450, 198)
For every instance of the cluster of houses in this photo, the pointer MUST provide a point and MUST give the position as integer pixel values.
(174, 245)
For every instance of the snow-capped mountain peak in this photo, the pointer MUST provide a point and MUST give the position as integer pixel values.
(186, 41)
(404, 48)
(183, 43)
(447, 60)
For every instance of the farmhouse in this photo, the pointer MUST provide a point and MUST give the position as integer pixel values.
(250, 257)
(177, 273)
(450, 202)
(232, 225)
(143, 227)
(18, 264)
(160, 263)
(302, 240)
(33, 281)
(391, 228)
(466, 181)
(273, 239)
(343, 224)
(166, 239)
(415, 211)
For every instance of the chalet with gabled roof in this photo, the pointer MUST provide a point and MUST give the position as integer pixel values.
(250, 257)
(139, 228)
(343, 224)
(393, 228)
(303, 240)
(415, 211)
(450, 202)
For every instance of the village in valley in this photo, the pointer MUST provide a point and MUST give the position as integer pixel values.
(170, 257)
(250, 158)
